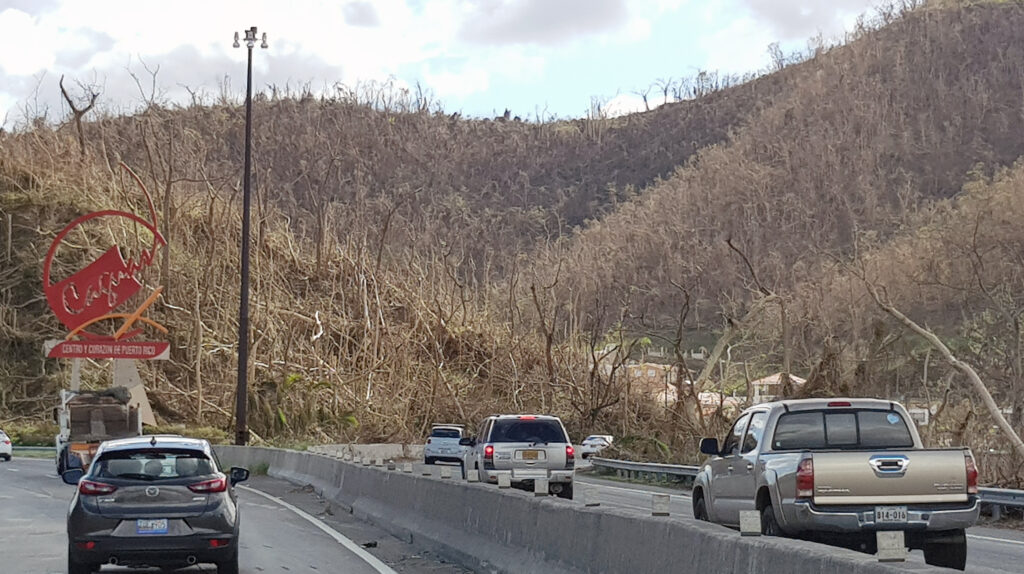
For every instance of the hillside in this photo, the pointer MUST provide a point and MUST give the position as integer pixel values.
(412, 266)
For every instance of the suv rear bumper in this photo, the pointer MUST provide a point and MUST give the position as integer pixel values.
(804, 516)
(553, 476)
(154, 551)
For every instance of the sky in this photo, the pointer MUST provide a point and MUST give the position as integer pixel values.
(536, 58)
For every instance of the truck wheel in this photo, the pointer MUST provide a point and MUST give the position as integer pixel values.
(700, 509)
(566, 491)
(769, 526)
(947, 549)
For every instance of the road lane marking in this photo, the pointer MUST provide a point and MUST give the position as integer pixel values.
(633, 490)
(370, 559)
(993, 539)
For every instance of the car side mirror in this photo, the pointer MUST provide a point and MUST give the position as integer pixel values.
(72, 476)
(239, 474)
(709, 446)
(469, 441)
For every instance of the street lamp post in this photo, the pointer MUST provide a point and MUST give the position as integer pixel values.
(241, 395)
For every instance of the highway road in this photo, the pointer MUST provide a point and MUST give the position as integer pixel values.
(284, 529)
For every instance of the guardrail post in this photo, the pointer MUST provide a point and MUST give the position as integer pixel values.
(540, 487)
(660, 504)
(472, 475)
(504, 480)
(407, 467)
(891, 546)
(446, 472)
(997, 512)
(750, 523)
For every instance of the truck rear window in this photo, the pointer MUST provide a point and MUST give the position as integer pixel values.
(446, 433)
(536, 431)
(866, 429)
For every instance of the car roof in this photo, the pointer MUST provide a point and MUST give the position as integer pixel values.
(817, 404)
(527, 416)
(155, 441)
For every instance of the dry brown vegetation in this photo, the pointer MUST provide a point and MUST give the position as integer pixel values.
(412, 266)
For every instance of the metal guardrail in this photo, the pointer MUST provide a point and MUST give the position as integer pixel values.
(43, 449)
(997, 498)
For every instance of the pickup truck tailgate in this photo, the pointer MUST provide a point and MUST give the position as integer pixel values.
(908, 477)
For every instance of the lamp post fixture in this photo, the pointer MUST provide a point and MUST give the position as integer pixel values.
(241, 395)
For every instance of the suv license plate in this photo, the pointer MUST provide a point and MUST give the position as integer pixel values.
(151, 526)
(530, 454)
(890, 514)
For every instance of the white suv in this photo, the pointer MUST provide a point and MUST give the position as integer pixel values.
(526, 447)
(5, 446)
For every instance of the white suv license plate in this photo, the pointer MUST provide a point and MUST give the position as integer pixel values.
(151, 526)
(890, 514)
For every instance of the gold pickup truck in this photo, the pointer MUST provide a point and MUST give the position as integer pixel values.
(839, 470)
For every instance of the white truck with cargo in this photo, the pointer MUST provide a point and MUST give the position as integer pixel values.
(839, 470)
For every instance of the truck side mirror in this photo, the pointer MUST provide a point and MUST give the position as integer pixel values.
(709, 446)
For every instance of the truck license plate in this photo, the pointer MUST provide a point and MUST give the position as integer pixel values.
(151, 526)
(890, 514)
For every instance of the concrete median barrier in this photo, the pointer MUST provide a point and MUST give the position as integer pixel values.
(491, 530)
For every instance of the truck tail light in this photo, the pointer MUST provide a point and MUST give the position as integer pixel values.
(92, 488)
(805, 479)
(972, 474)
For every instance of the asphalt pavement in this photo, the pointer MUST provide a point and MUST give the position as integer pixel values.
(284, 529)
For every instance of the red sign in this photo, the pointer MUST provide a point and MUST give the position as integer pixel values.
(92, 294)
(87, 349)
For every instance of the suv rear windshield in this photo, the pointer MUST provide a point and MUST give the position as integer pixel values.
(446, 433)
(866, 429)
(535, 431)
(152, 465)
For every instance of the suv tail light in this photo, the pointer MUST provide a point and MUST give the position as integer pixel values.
(805, 479)
(219, 484)
(489, 457)
(570, 456)
(972, 474)
(91, 488)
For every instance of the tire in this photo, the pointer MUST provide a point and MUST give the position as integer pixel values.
(566, 492)
(700, 509)
(229, 566)
(769, 526)
(76, 567)
(7, 458)
(947, 549)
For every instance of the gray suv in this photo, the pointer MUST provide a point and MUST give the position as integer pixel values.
(526, 447)
(153, 501)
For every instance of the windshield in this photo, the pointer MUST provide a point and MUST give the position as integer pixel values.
(865, 429)
(152, 465)
(534, 431)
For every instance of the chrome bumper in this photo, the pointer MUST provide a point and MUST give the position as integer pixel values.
(803, 516)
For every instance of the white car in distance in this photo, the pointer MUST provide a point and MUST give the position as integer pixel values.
(594, 444)
(6, 450)
(443, 444)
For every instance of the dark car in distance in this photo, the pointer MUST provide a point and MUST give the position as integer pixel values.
(153, 501)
